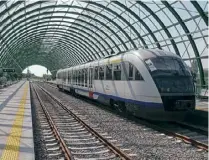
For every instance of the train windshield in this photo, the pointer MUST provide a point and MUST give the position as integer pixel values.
(171, 75)
(167, 66)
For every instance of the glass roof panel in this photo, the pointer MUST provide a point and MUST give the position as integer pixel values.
(57, 16)
(152, 5)
(203, 5)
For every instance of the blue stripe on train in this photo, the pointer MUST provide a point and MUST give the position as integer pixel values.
(145, 104)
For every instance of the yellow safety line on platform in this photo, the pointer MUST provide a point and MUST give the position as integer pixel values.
(11, 151)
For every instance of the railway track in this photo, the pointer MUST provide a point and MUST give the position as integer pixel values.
(185, 132)
(69, 137)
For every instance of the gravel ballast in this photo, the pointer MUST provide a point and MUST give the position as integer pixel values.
(145, 142)
(39, 142)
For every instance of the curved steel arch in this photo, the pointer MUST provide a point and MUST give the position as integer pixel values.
(10, 7)
(61, 6)
(107, 27)
(1, 3)
(161, 24)
(70, 49)
(73, 34)
(58, 56)
(46, 55)
(64, 37)
(74, 23)
(22, 62)
(20, 31)
(11, 16)
(124, 20)
(201, 12)
(63, 42)
(78, 34)
(44, 31)
(28, 36)
(29, 63)
(181, 22)
(140, 20)
(77, 24)
(24, 66)
(27, 48)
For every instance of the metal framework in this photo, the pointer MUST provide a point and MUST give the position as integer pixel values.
(62, 33)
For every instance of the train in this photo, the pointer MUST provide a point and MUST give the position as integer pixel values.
(147, 83)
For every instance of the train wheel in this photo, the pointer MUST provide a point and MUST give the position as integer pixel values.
(118, 105)
(112, 102)
(121, 106)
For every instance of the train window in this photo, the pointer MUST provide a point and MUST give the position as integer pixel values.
(85, 77)
(138, 76)
(109, 72)
(78, 77)
(82, 77)
(130, 74)
(117, 72)
(101, 72)
(69, 76)
(73, 77)
(90, 77)
(95, 73)
(66, 75)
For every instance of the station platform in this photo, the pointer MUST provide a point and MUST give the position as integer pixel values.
(16, 131)
(202, 105)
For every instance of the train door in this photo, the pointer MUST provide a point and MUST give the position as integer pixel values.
(127, 79)
(90, 82)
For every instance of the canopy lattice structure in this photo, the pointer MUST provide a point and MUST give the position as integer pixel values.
(62, 33)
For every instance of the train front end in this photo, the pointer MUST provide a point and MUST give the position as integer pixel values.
(173, 80)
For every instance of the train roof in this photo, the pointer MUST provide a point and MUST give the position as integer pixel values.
(151, 53)
(142, 53)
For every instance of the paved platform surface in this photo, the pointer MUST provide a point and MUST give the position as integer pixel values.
(16, 131)
(202, 105)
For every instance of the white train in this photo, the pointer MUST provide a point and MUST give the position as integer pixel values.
(143, 82)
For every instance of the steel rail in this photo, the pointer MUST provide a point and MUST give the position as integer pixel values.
(108, 144)
(159, 128)
(65, 150)
(191, 127)
(189, 140)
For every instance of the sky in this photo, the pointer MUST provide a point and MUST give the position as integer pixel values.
(38, 70)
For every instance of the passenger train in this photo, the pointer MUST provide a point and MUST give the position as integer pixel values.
(144, 82)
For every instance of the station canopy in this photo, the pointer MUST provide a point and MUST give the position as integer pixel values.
(62, 33)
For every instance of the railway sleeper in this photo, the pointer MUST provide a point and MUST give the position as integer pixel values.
(92, 153)
(87, 148)
(78, 136)
(98, 158)
(80, 139)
